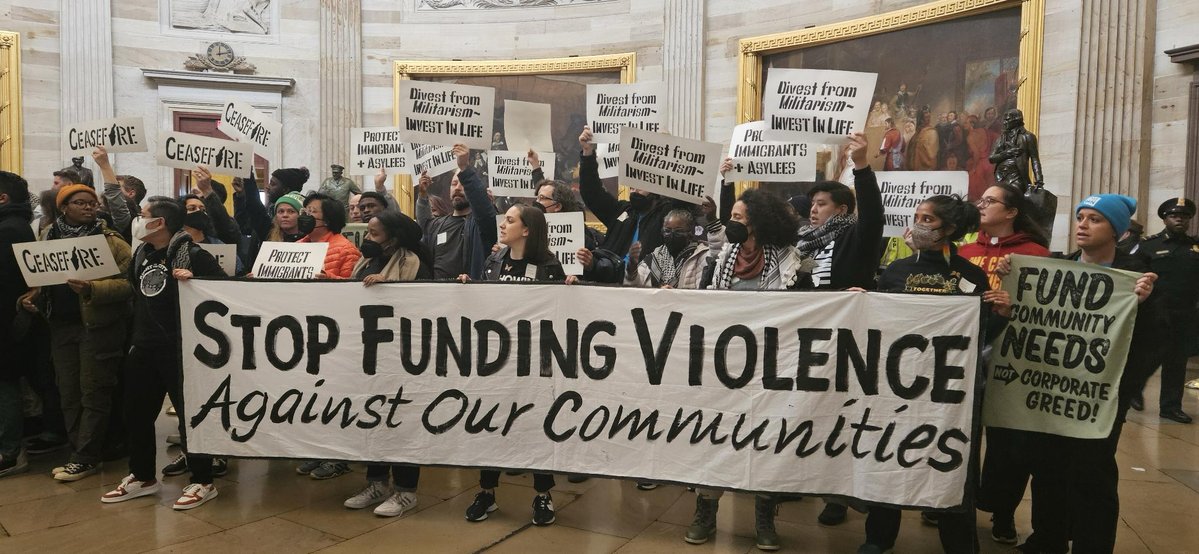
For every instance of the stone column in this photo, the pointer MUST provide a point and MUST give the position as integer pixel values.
(1190, 55)
(683, 66)
(341, 81)
(1111, 151)
(85, 40)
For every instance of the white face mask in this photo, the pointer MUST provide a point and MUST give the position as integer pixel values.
(140, 224)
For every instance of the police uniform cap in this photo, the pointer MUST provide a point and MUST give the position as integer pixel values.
(1176, 205)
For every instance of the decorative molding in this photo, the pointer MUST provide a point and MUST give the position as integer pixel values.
(219, 80)
(11, 126)
(626, 63)
(461, 5)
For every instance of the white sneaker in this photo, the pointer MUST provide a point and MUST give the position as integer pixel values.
(195, 495)
(129, 489)
(374, 493)
(399, 503)
(75, 472)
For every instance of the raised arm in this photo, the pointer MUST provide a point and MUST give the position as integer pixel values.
(476, 194)
(605, 207)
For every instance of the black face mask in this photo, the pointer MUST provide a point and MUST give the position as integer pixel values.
(306, 223)
(639, 202)
(735, 232)
(198, 220)
(675, 242)
(370, 249)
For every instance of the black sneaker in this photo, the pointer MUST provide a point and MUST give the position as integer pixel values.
(484, 504)
(177, 467)
(833, 514)
(931, 518)
(576, 478)
(76, 471)
(543, 509)
(220, 467)
(1003, 530)
(38, 445)
(13, 465)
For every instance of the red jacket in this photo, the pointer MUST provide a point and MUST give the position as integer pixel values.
(985, 252)
(341, 256)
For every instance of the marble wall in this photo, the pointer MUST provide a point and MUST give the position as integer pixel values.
(397, 29)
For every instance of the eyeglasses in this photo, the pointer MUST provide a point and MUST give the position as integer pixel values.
(986, 201)
(543, 198)
(84, 203)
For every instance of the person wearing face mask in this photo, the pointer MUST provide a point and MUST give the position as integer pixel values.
(937, 268)
(322, 221)
(678, 264)
(213, 194)
(88, 322)
(461, 240)
(16, 216)
(199, 225)
(759, 255)
(392, 252)
(600, 265)
(286, 227)
(637, 220)
(166, 256)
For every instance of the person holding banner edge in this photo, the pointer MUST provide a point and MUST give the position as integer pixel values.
(88, 324)
(166, 256)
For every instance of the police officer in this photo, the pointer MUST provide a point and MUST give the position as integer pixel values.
(1174, 256)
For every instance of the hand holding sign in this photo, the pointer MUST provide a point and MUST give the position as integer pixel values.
(816, 105)
(381, 180)
(423, 184)
(462, 156)
(100, 155)
(534, 159)
(586, 142)
(80, 286)
(202, 179)
(857, 150)
(726, 166)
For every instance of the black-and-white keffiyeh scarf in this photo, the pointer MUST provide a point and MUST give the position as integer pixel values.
(814, 239)
(60, 229)
(664, 268)
(723, 280)
(178, 252)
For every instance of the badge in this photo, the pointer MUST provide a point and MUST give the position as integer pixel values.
(154, 280)
(531, 271)
(442, 237)
(623, 216)
(966, 286)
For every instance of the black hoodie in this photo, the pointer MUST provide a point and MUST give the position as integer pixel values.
(15, 227)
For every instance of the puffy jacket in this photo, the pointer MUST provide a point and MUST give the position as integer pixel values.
(691, 271)
(108, 301)
(341, 256)
(986, 251)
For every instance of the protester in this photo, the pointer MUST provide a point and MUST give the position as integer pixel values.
(323, 220)
(599, 265)
(16, 215)
(88, 323)
(392, 252)
(1074, 481)
(286, 226)
(254, 220)
(213, 194)
(1007, 225)
(759, 255)
(937, 268)
(285, 180)
(370, 204)
(166, 256)
(679, 263)
(525, 256)
(355, 215)
(461, 240)
(1174, 257)
(199, 225)
(113, 198)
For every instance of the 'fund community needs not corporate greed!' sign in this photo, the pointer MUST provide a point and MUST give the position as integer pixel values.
(53, 262)
(1056, 369)
(819, 396)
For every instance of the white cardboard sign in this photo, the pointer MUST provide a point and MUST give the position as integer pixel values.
(613, 107)
(245, 123)
(186, 151)
(447, 114)
(566, 234)
(608, 157)
(904, 190)
(53, 262)
(816, 106)
(756, 158)
(509, 174)
(290, 260)
(527, 125)
(375, 148)
(671, 166)
(432, 158)
(120, 134)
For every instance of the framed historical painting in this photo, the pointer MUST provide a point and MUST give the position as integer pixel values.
(559, 82)
(947, 72)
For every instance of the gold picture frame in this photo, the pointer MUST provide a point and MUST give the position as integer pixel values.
(625, 63)
(10, 102)
(1032, 24)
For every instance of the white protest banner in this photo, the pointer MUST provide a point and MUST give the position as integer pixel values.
(904, 190)
(225, 254)
(290, 260)
(509, 173)
(447, 114)
(864, 395)
(120, 134)
(375, 148)
(53, 262)
(1056, 368)
(816, 105)
(756, 158)
(242, 121)
(186, 151)
(613, 107)
(671, 166)
(566, 238)
(355, 232)
(527, 125)
(608, 157)
(432, 158)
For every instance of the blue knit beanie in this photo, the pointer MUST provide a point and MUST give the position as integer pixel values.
(1116, 208)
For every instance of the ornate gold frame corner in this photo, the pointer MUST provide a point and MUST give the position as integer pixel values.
(1032, 38)
(412, 69)
(11, 130)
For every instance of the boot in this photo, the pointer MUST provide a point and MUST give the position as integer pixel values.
(704, 525)
(764, 509)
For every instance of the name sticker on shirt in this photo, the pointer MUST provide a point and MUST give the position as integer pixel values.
(531, 271)
(623, 216)
(966, 286)
(442, 237)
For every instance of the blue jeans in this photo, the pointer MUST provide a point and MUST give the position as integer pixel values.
(12, 418)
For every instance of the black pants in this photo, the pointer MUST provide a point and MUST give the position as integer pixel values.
(958, 532)
(1174, 359)
(490, 479)
(1075, 491)
(150, 374)
(1005, 473)
(406, 476)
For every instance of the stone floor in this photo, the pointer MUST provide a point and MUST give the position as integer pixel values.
(265, 507)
